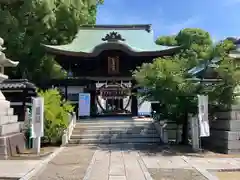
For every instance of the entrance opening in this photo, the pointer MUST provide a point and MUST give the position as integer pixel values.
(113, 99)
(115, 105)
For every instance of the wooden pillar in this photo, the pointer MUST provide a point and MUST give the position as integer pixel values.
(134, 105)
(66, 92)
(91, 88)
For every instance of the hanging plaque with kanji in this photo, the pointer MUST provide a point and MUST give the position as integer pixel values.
(113, 65)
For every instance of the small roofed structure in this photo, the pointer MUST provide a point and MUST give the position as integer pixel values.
(19, 92)
(205, 71)
(236, 52)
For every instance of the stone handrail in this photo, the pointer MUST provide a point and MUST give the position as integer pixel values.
(68, 132)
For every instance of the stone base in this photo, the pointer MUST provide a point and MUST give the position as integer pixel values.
(11, 140)
(10, 128)
(11, 144)
(224, 133)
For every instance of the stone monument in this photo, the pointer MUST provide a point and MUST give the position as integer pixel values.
(11, 140)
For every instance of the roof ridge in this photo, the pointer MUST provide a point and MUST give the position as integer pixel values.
(116, 26)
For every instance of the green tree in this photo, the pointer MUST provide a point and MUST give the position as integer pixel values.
(221, 94)
(167, 40)
(166, 78)
(165, 82)
(56, 113)
(197, 45)
(27, 24)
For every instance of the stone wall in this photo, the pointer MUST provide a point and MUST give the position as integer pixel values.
(225, 132)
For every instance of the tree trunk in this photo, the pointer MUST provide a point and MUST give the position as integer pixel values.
(185, 129)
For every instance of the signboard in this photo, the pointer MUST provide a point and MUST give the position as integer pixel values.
(144, 107)
(113, 65)
(195, 133)
(203, 116)
(37, 117)
(84, 104)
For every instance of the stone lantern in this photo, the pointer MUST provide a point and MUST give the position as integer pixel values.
(11, 140)
(4, 62)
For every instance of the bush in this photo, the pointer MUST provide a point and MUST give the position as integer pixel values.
(56, 113)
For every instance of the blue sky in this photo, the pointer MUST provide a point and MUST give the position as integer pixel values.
(221, 18)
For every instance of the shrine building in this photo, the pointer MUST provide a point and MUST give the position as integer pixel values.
(100, 61)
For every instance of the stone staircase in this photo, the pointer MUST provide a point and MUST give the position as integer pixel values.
(114, 131)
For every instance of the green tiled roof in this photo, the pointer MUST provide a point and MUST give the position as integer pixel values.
(136, 38)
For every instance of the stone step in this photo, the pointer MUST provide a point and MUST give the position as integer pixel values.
(6, 111)
(7, 119)
(9, 128)
(3, 150)
(122, 126)
(222, 143)
(228, 135)
(151, 126)
(114, 141)
(97, 120)
(114, 131)
(121, 135)
(113, 123)
(232, 125)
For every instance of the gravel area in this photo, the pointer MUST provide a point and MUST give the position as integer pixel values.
(234, 175)
(70, 164)
(175, 174)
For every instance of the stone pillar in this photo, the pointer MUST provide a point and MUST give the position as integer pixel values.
(225, 132)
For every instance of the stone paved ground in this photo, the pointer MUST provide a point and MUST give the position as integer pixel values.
(129, 162)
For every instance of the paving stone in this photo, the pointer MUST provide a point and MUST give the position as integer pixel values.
(151, 162)
(178, 163)
(100, 167)
(117, 178)
(116, 164)
(132, 166)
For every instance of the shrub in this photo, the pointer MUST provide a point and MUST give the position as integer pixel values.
(56, 113)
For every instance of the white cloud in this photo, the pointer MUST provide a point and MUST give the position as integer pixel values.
(176, 27)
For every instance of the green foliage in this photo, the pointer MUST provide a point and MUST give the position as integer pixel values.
(27, 24)
(56, 113)
(221, 94)
(165, 80)
(196, 43)
(167, 41)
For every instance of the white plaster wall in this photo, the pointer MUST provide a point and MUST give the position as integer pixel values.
(125, 101)
(74, 89)
(237, 91)
(62, 89)
(103, 104)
